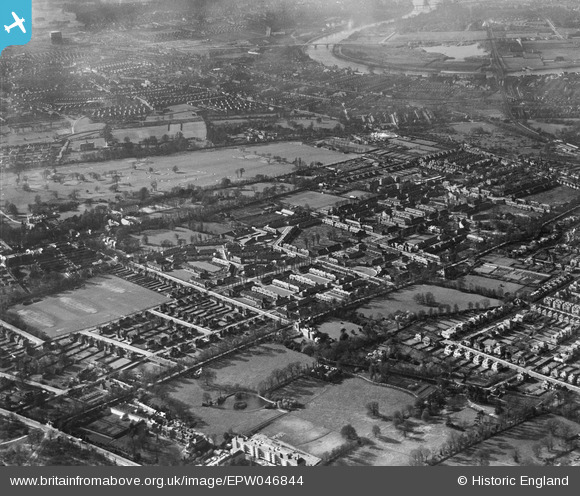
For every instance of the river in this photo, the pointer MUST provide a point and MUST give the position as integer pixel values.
(325, 55)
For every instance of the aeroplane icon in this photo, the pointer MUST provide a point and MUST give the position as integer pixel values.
(17, 23)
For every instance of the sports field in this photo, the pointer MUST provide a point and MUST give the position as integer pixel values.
(198, 168)
(100, 300)
(313, 200)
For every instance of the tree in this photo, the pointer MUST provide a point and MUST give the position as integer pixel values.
(548, 442)
(208, 376)
(349, 432)
(145, 239)
(425, 417)
(405, 427)
(537, 450)
(397, 418)
(143, 193)
(419, 456)
(11, 209)
(35, 437)
(175, 169)
(553, 426)
(419, 298)
(373, 408)
(376, 430)
(483, 458)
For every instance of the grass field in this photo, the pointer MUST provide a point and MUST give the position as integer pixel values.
(403, 301)
(495, 284)
(313, 200)
(214, 421)
(100, 300)
(556, 196)
(333, 327)
(137, 134)
(521, 438)
(200, 168)
(156, 237)
(245, 369)
(316, 428)
(249, 367)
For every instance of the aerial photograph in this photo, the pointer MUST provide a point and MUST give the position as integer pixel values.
(290, 233)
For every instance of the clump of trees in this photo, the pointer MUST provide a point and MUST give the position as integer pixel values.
(281, 376)
(426, 299)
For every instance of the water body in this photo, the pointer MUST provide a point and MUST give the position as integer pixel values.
(459, 53)
(325, 55)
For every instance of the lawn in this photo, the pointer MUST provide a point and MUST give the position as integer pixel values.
(100, 300)
(404, 301)
(333, 328)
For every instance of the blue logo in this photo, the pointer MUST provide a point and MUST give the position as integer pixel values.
(15, 22)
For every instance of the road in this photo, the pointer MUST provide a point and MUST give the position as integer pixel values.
(209, 292)
(513, 366)
(46, 387)
(203, 330)
(30, 337)
(133, 349)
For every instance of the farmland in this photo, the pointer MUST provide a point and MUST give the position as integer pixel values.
(101, 300)
(404, 301)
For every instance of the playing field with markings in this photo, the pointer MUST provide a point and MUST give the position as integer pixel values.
(100, 300)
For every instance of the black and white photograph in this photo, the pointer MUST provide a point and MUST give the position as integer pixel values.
(291, 233)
